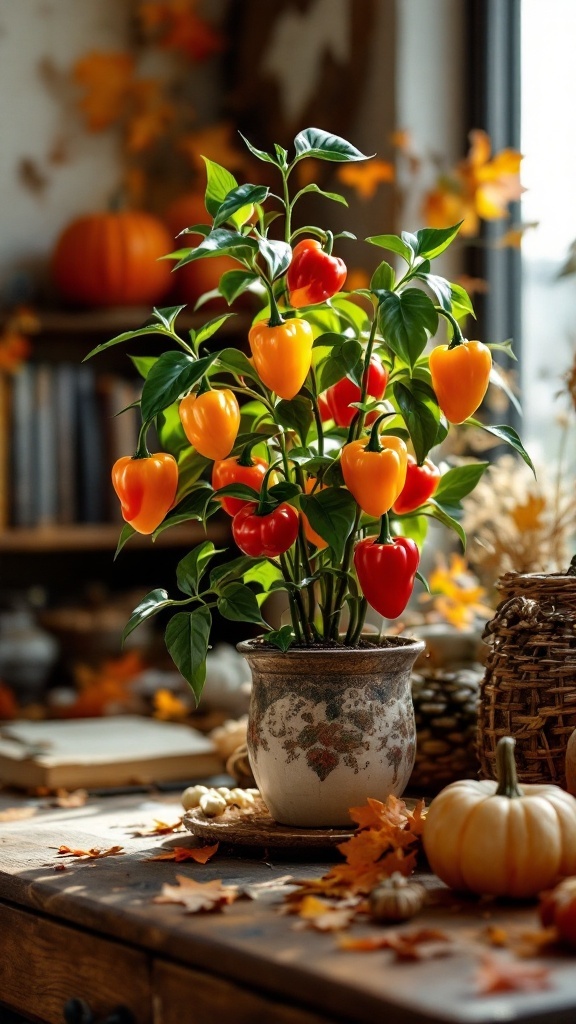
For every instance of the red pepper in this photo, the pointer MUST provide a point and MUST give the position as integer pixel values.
(345, 391)
(386, 567)
(421, 482)
(238, 469)
(314, 275)
(269, 535)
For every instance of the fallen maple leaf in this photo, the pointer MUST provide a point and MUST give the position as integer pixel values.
(200, 854)
(325, 917)
(415, 944)
(93, 854)
(495, 974)
(198, 896)
(161, 828)
(524, 942)
(272, 890)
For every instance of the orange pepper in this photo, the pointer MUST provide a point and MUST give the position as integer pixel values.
(282, 354)
(146, 486)
(311, 534)
(375, 471)
(460, 377)
(211, 421)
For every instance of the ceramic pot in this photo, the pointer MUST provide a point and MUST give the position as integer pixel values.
(328, 728)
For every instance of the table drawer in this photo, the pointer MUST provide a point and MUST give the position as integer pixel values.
(43, 964)
(182, 994)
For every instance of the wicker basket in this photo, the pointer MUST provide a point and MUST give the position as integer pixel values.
(529, 686)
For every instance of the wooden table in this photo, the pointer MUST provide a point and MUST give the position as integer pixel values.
(92, 931)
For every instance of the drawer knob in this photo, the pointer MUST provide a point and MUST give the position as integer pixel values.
(77, 1011)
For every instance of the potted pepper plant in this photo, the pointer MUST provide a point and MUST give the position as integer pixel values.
(317, 444)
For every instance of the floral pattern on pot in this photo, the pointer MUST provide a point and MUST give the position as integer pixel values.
(328, 730)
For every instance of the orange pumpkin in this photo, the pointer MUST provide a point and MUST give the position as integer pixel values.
(113, 259)
(194, 279)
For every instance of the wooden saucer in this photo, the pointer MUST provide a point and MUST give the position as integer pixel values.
(254, 827)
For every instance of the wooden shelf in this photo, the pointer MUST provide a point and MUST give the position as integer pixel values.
(117, 319)
(104, 537)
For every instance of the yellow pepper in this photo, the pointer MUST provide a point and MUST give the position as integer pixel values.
(282, 354)
(374, 471)
(211, 421)
(460, 377)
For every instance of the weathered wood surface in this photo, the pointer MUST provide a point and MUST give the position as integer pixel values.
(250, 944)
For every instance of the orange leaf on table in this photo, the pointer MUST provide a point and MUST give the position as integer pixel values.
(198, 896)
(200, 854)
(17, 813)
(496, 974)
(325, 917)
(93, 854)
(160, 828)
(415, 944)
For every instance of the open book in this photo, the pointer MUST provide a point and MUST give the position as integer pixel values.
(98, 752)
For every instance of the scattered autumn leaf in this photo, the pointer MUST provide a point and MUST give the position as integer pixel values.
(160, 828)
(200, 854)
(198, 896)
(92, 854)
(17, 813)
(365, 178)
(523, 942)
(325, 917)
(415, 944)
(496, 974)
(274, 889)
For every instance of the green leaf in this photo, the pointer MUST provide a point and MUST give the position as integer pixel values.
(125, 336)
(219, 183)
(221, 242)
(422, 579)
(506, 434)
(282, 638)
(242, 491)
(437, 511)
(234, 283)
(210, 328)
(406, 320)
(461, 302)
(284, 491)
(149, 605)
(236, 362)
(261, 154)
(383, 277)
(233, 569)
(187, 639)
(192, 567)
(441, 287)
(126, 533)
(415, 527)
(240, 201)
(499, 382)
(351, 313)
(238, 602)
(167, 315)
(421, 414)
(276, 254)
(263, 573)
(393, 244)
(331, 513)
(502, 346)
(312, 187)
(295, 414)
(143, 364)
(191, 507)
(345, 361)
(458, 482)
(432, 241)
(172, 376)
(324, 146)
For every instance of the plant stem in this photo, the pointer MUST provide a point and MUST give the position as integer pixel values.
(346, 562)
(358, 426)
(296, 603)
(457, 336)
(362, 609)
(317, 416)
